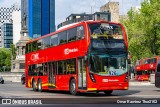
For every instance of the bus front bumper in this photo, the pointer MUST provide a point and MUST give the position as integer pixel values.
(109, 86)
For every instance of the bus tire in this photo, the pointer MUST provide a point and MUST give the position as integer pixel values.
(72, 87)
(34, 85)
(39, 85)
(108, 92)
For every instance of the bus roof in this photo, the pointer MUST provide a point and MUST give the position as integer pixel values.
(141, 61)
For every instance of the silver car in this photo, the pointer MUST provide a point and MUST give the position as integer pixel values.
(1, 80)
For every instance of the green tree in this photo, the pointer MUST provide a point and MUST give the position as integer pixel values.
(5, 59)
(143, 28)
(13, 51)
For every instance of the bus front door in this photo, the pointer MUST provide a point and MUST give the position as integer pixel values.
(82, 74)
(157, 75)
(51, 76)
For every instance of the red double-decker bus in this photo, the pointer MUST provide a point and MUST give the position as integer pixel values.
(144, 68)
(82, 57)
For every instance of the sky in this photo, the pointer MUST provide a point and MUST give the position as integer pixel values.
(65, 7)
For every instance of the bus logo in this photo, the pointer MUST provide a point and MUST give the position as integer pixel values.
(68, 51)
(35, 56)
(105, 80)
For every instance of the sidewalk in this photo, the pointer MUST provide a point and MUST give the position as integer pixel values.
(139, 83)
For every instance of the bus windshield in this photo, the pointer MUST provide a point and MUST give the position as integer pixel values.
(144, 72)
(105, 65)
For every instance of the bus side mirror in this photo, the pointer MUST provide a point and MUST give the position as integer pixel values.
(129, 61)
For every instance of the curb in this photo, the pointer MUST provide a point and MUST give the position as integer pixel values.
(140, 83)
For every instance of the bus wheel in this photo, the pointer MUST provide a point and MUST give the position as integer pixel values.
(108, 92)
(34, 86)
(72, 87)
(39, 85)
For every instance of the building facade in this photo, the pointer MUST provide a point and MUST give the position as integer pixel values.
(73, 18)
(112, 7)
(6, 16)
(18, 64)
(40, 16)
(16, 20)
(7, 35)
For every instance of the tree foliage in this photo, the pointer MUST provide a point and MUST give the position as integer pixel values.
(13, 51)
(143, 28)
(5, 59)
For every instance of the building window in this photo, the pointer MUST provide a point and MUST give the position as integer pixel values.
(14, 66)
(21, 66)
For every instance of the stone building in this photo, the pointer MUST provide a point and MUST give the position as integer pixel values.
(18, 65)
(112, 7)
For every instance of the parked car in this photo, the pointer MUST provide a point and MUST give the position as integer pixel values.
(23, 79)
(1, 80)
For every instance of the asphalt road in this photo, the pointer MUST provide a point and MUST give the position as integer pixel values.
(139, 93)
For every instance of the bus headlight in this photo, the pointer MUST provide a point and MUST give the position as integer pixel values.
(92, 77)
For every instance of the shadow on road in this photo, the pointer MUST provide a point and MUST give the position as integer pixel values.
(157, 90)
(100, 94)
(115, 93)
